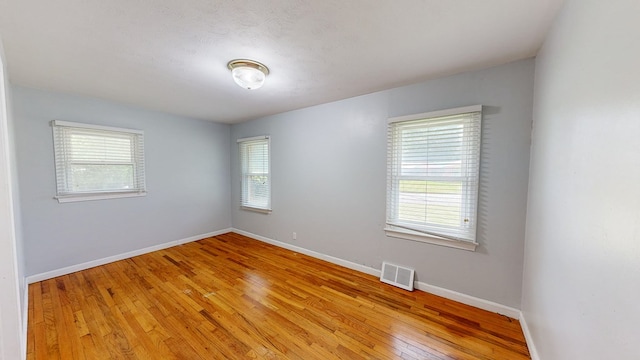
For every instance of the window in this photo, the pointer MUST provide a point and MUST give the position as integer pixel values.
(256, 177)
(97, 162)
(433, 162)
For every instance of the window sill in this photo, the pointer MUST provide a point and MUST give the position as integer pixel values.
(430, 239)
(260, 210)
(97, 196)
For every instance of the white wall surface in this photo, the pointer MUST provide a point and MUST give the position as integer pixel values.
(582, 265)
(329, 180)
(17, 211)
(11, 285)
(187, 174)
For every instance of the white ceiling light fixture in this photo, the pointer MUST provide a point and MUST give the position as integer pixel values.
(248, 74)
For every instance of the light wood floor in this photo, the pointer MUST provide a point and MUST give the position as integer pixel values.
(231, 297)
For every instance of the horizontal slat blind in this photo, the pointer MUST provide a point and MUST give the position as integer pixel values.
(97, 160)
(433, 173)
(256, 177)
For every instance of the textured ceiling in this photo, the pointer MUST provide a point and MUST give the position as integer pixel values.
(171, 55)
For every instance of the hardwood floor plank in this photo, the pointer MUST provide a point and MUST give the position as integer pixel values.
(232, 297)
(31, 315)
(40, 341)
(51, 331)
(92, 343)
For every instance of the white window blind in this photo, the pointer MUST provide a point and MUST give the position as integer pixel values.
(97, 162)
(256, 177)
(433, 163)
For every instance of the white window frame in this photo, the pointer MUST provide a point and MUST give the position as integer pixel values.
(422, 231)
(245, 202)
(62, 129)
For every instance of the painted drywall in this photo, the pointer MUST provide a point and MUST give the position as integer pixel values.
(582, 266)
(187, 175)
(329, 180)
(17, 214)
(11, 333)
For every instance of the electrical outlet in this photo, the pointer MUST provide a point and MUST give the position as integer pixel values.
(295, 236)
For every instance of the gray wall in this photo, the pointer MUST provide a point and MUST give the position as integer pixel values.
(329, 180)
(187, 172)
(582, 263)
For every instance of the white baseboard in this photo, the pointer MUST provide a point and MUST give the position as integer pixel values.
(87, 265)
(469, 300)
(528, 338)
(449, 294)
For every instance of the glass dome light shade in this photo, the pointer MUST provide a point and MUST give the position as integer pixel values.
(248, 77)
(248, 74)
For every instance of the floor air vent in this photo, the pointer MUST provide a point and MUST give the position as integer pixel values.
(397, 276)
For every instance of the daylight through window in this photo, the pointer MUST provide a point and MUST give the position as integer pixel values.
(97, 162)
(433, 164)
(256, 177)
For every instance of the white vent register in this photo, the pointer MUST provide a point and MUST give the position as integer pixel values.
(397, 276)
